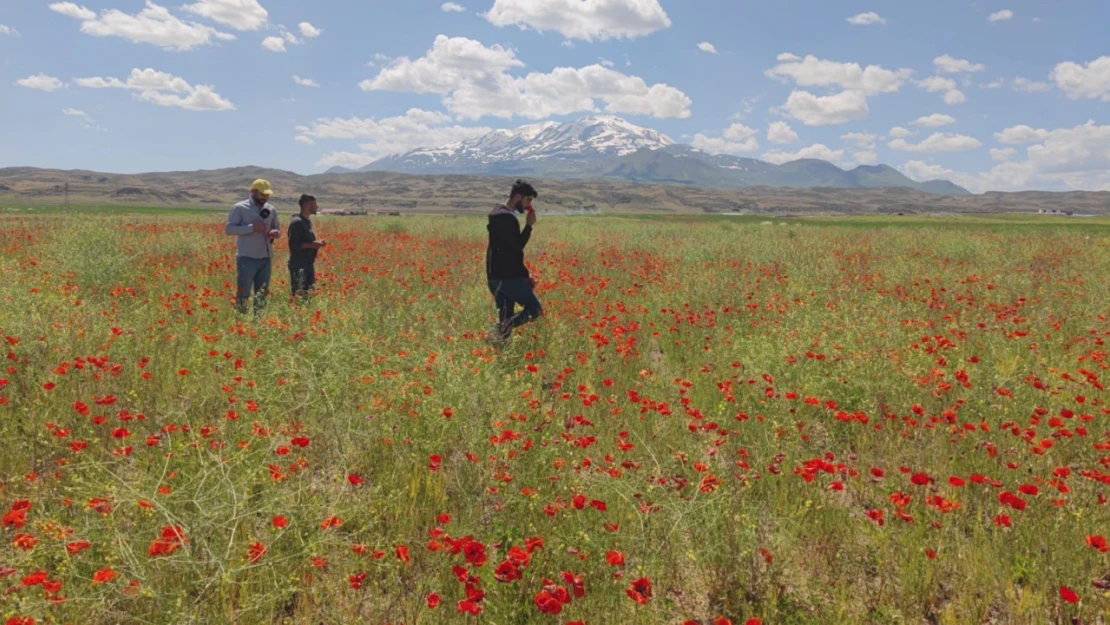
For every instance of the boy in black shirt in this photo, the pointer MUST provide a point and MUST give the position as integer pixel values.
(508, 278)
(302, 248)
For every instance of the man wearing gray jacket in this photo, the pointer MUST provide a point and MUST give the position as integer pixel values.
(255, 224)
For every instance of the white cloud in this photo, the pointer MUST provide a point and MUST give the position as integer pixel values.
(1030, 86)
(8, 31)
(705, 46)
(866, 157)
(781, 133)
(308, 30)
(814, 72)
(937, 84)
(938, 142)
(452, 7)
(949, 65)
(862, 140)
(163, 89)
(787, 57)
(474, 81)
(41, 82)
(238, 14)
(154, 25)
(736, 139)
(74, 113)
(814, 110)
(274, 44)
(1003, 154)
(816, 150)
(305, 82)
(934, 120)
(304, 140)
(994, 84)
(1016, 135)
(1005, 14)
(416, 128)
(899, 132)
(582, 19)
(1061, 160)
(1088, 81)
(866, 19)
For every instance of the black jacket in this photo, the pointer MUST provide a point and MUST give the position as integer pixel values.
(505, 252)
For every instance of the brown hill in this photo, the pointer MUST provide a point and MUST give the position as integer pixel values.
(382, 191)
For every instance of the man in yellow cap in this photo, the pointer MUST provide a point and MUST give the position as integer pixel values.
(255, 224)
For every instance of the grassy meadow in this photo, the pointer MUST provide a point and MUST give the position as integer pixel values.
(897, 420)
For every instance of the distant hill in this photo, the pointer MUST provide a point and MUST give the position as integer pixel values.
(603, 146)
(619, 191)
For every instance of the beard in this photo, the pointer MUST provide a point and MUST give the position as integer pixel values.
(519, 206)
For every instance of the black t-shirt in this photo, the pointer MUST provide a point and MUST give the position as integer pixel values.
(301, 232)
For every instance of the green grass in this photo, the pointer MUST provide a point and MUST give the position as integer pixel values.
(680, 379)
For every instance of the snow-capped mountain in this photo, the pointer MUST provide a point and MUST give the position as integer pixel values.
(603, 146)
(569, 145)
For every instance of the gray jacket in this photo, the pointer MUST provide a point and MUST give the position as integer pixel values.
(251, 244)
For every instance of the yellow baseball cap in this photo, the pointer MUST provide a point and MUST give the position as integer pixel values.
(262, 186)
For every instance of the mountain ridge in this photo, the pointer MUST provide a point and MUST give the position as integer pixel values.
(609, 147)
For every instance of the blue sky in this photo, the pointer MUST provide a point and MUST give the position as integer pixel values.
(993, 94)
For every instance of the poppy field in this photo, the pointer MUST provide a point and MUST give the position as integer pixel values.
(714, 422)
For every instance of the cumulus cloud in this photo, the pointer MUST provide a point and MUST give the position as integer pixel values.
(274, 44)
(305, 82)
(8, 31)
(781, 133)
(238, 14)
(452, 7)
(866, 19)
(857, 83)
(582, 19)
(862, 140)
(994, 84)
(934, 120)
(938, 142)
(309, 31)
(1003, 154)
(705, 46)
(416, 128)
(941, 84)
(1001, 16)
(813, 110)
(42, 82)
(736, 139)
(899, 132)
(163, 89)
(817, 150)
(1089, 81)
(1017, 135)
(154, 25)
(1063, 159)
(949, 65)
(474, 81)
(814, 72)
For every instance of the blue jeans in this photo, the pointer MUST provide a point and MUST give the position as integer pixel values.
(302, 276)
(254, 273)
(507, 294)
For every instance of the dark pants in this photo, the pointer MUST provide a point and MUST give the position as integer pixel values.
(507, 294)
(254, 273)
(302, 276)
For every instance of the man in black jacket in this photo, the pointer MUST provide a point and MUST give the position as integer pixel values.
(508, 278)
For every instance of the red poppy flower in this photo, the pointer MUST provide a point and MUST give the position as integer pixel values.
(615, 558)
(1098, 542)
(402, 553)
(355, 479)
(280, 521)
(255, 551)
(432, 600)
(104, 575)
(1067, 594)
(640, 590)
